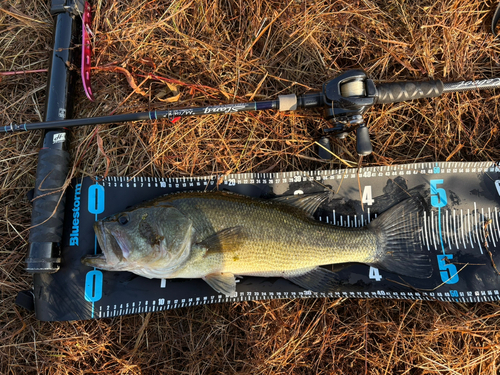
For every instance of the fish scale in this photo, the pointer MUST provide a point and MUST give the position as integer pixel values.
(278, 239)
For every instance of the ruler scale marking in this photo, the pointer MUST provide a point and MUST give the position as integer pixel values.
(425, 231)
(469, 227)
(462, 228)
(496, 222)
(476, 231)
(482, 222)
(491, 228)
(481, 225)
(455, 229)
(448, 229)
(433, 232)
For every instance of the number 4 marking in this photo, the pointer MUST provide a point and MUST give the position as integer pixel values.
(374, 274)
(367, 195)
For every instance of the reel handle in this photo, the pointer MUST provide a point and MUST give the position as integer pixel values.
(363, 143)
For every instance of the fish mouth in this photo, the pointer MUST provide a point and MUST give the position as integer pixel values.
(112, 253)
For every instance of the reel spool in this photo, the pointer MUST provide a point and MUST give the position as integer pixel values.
(353, 89)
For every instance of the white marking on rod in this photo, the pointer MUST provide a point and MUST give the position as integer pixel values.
(368, 214)
(163, 283)
(356, 221)
(348, 221)
(334, 218)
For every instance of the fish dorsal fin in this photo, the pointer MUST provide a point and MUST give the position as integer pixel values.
(222, 282)
(306, 202)
(226, 239)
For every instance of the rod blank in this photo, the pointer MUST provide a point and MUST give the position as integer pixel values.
(387, 93)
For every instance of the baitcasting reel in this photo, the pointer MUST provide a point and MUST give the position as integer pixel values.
(347, 97)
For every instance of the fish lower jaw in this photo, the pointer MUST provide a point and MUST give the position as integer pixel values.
(161, 274)
(98, 261)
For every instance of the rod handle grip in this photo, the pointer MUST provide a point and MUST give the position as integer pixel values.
(395, 92)
(48, 205)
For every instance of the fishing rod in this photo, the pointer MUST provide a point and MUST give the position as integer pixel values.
(344, 100)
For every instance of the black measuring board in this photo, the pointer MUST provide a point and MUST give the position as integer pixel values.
(461, 233)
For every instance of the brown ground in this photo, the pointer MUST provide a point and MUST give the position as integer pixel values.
(229, 51)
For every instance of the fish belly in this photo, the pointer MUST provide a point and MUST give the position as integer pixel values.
(296, 252)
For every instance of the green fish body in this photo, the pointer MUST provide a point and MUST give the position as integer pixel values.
(217, 236)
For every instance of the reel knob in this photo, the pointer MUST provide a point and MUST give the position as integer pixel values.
(363, 143)
(323, 152)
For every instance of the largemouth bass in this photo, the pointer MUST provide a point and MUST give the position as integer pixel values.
(217, 236)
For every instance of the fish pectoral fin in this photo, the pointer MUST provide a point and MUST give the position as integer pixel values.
(224, 240)
(197, 252)
(306, 202)
(317, 279)
(222, 282)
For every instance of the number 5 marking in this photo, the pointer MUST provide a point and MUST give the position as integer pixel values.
(448, 271)
(438, 195)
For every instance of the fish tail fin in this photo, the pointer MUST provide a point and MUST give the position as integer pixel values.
(399, 248)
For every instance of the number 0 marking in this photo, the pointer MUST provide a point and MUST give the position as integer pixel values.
(96, 199)
(93, 286)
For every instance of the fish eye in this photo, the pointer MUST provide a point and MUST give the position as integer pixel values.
(123, 219)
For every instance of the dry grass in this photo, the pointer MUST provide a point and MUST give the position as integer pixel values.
(223, 51)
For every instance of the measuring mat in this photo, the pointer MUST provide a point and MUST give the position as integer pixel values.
(461, 234)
